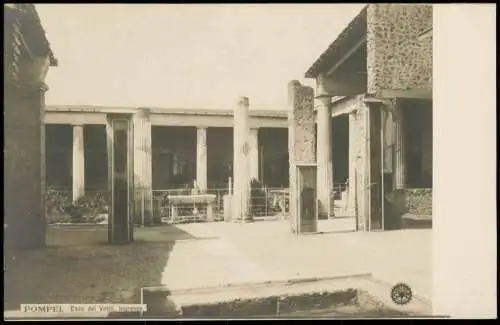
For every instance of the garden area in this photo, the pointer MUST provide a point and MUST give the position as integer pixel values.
(60, 208)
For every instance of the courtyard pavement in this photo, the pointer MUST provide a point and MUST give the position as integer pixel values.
(266, 251)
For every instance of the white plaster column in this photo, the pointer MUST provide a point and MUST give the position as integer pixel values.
(143, 178)
(324, 153)
(254, 153)
(352, 162)
(399, 167)
(241, 160)
(78, 162)
(201, 159)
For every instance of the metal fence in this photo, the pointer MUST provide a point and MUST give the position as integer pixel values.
(184, 204)
(188, 205)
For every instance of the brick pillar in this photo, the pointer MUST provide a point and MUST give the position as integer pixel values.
(254, 153)
(143, 180)
(301, 139)
(24, 167)
(201, 159)
(78, 162)
(241, 161)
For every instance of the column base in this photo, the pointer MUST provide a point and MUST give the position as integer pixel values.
(323, 216)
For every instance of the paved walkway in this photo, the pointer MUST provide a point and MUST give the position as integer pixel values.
(266, 251)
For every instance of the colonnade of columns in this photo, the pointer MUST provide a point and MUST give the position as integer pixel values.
(246, 154)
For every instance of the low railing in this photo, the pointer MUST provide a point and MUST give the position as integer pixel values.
(93, 206)
(263, 202)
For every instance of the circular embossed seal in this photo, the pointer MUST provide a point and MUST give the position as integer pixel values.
(401, 294)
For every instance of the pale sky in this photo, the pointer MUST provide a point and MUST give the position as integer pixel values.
(185, 56)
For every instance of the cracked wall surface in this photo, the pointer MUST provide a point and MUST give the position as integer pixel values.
(399, 47)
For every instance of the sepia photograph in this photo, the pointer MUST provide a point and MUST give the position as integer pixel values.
(223, 161)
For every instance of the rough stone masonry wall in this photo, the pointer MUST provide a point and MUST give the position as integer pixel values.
(397, 58)
(301, 134)
(304, 140)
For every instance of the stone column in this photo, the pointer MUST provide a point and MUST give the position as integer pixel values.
(143, 176)
(254, 153)
(399, 167)
(241, 161)
(352, 162)
(301, 140)
(201, 159)
(78, 162)
(324, 152)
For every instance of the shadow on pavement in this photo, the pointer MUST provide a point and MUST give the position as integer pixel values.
(79, 266)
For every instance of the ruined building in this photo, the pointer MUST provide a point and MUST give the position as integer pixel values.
(373, 104)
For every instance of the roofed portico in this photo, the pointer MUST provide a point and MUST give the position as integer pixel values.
(378, 63)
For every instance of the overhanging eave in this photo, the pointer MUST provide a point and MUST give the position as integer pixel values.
(352, 35)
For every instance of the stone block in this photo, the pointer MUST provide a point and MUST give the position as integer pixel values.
(227, 200)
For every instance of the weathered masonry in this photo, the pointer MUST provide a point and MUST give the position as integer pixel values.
(375, 80)
(173, 148)
(27, 58)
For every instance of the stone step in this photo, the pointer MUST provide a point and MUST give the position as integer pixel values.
(279, 298)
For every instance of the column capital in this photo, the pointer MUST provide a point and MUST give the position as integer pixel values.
(143, 111)
(243, 101)
(321, 91)
(323, 102)
(77, 124)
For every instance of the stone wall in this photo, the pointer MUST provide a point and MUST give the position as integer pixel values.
(301, 137)
(419, 201)
(303, 125)
(397, 57)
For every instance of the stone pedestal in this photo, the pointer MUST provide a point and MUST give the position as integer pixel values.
(228, 211)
